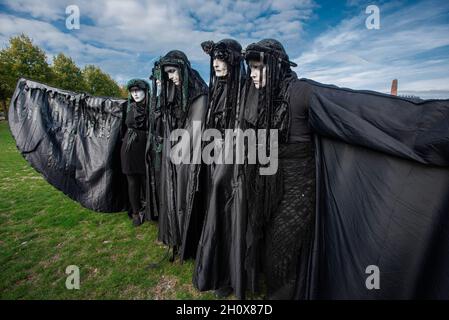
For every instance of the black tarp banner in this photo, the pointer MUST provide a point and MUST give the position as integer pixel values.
(73, 140)
(382, 195)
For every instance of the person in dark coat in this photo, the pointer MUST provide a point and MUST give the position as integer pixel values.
(132, 151)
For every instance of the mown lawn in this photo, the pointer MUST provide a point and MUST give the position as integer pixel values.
(42, 232)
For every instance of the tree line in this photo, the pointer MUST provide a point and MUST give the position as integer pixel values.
(21, 58)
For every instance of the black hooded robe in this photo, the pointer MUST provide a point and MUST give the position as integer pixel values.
(179, 182)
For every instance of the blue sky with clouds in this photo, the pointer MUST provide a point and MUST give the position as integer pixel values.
(328, 39)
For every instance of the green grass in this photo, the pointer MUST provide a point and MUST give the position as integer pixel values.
(42, 232)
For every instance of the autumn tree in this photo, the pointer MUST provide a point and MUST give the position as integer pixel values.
(123, 91)
(66, 74)
(21, 59)
(99, 83)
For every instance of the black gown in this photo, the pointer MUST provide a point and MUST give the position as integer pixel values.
(289, 229)
(219, 261)
(220, 258)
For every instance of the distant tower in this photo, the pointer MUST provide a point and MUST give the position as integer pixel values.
(394, 87)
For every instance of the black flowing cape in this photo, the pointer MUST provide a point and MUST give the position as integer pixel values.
(382, 165)
(73, 140)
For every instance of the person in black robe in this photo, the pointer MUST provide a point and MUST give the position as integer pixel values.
(182, 102)
(132, 152)
(281, 206)
(358, 148)
(218, 263)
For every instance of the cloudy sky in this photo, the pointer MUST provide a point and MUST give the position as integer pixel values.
(328, 39)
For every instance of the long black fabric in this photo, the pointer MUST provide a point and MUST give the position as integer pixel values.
(382, 166)
(73, 140)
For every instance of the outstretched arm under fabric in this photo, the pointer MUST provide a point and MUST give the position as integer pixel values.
(73, 140)
(398, 126)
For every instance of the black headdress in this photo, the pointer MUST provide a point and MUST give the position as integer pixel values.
(230, 51)
(278, 76)
(137, 83)
(192, 84)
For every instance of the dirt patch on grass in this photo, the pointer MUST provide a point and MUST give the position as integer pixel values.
(48, 262)
(191, 290)
(30, 277)
(132, 292)
(165, 288)
(55, 258)
(114, 257)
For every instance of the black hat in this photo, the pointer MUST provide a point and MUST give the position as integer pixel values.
(227, 50)
(176, 58)
(268, 46)
(137, 83)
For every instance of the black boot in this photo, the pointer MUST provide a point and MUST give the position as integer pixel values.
(137, 220)
(223, 292)
(174, 253)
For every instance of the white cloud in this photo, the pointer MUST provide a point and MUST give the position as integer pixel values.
(124, 37)
(46, 35)
(350, 55)
(127, 30)
(49, 10)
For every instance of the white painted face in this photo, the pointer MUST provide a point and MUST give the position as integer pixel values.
(258, 74)
(137, 94)
(220, 68)
(173, 74)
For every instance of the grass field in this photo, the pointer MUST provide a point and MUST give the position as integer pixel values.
(42, 232)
